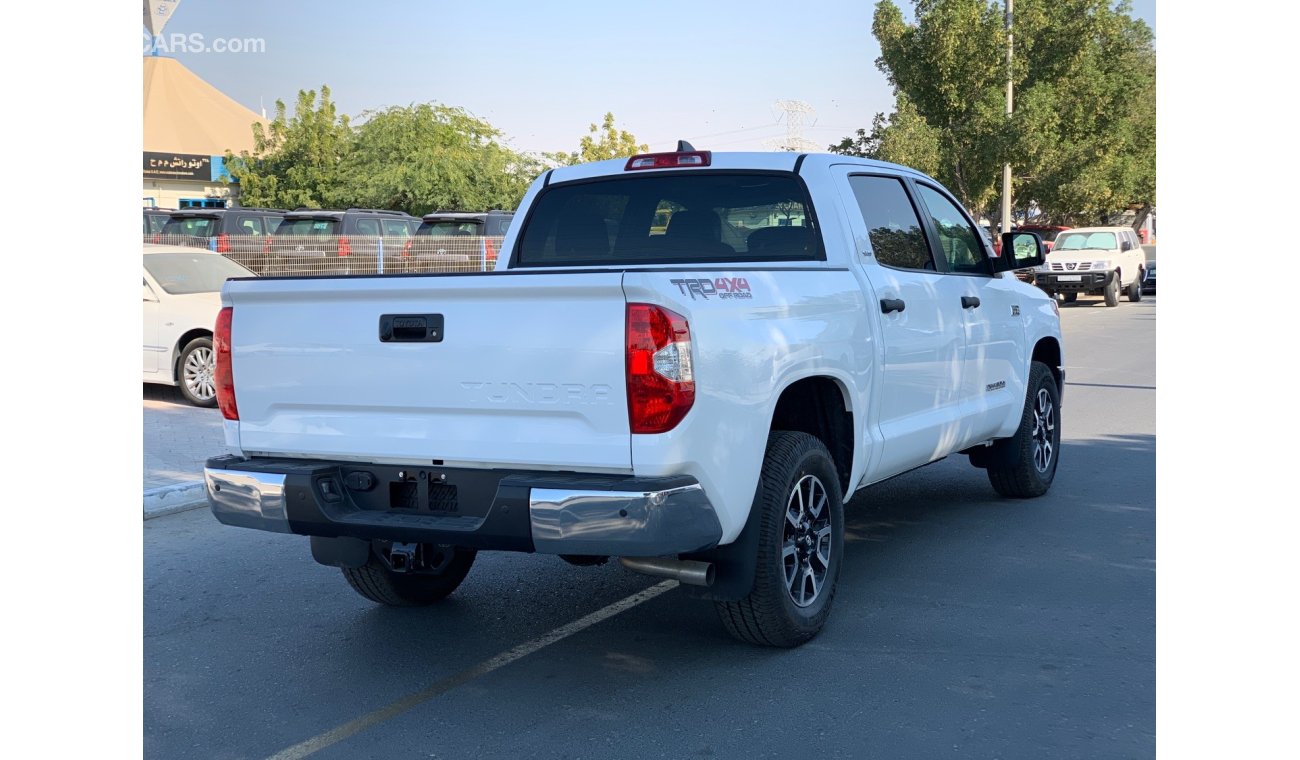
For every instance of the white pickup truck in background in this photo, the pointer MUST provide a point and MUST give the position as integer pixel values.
(687, 360)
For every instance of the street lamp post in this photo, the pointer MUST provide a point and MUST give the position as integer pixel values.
(1006, 168)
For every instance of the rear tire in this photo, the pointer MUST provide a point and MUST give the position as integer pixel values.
(1112, 290)
(1023, 466)
(1135, 289)
(376, 582)
(1070, 297)
(800, 545)
(195, 372)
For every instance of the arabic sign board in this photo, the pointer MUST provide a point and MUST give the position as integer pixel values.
(184, 166)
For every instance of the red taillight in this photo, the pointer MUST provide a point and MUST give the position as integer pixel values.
(660, 377)
(669, 160)
(223, 243)
(224, 378)
(266, 246)
(406, 247)
(345, 246)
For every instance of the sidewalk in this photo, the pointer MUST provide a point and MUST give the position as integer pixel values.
(177, 439)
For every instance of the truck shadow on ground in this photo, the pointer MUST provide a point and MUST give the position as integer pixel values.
(938, 571)
(931, 512)
(167, 394)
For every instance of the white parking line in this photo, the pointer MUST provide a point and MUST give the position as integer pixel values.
(352, 727)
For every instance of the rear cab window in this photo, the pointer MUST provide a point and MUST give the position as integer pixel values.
(671, 218)
(307, 226)
(396, 228)
(198, 226)
(450, 227)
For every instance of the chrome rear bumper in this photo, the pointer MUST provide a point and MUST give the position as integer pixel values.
(551, 513)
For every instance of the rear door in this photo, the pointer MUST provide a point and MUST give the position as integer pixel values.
(523, 371)
(922, 335)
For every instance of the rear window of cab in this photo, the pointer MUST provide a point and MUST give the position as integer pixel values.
(306, 226)
(671, 218)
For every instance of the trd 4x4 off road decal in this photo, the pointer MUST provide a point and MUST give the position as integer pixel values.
(722, 287)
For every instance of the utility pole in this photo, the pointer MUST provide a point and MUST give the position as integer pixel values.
(794, 112)
(1006, 168)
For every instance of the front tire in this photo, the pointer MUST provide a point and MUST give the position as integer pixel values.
(1023, 466)
(1112, 290)
(195, 372)
(1070, 297)
(378, 583)
(800, 545)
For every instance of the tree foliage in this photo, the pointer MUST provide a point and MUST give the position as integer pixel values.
(417, 159)
(1081, 141)
(602, 142)
(902, 138)
(295, 161)
(425, 157)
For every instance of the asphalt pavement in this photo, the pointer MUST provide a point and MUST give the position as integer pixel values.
(178, 438)
(965, 625)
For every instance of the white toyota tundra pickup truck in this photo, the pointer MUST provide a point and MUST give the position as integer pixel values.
(687, 361)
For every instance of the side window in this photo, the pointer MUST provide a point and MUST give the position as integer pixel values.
(248, 225)
(892, 223)
(961, 246)
(396, 228)
(368, 227)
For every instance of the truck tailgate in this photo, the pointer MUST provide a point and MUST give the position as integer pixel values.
(528, 370)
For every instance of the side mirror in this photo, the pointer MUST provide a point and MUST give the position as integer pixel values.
(1126, 246)
(1020, 250)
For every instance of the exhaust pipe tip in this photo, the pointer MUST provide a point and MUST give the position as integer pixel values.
(689, 571)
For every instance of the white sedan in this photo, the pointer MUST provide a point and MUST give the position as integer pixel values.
(182, 296)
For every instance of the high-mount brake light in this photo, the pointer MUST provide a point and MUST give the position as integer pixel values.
(674, 160)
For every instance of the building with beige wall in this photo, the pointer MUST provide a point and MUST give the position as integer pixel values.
(188, 127)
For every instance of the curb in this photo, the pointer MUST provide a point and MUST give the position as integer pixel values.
(168, 500)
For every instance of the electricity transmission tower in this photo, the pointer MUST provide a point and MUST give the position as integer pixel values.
(794, 113)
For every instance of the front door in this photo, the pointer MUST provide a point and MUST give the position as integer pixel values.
(993, 389)
(922, 334)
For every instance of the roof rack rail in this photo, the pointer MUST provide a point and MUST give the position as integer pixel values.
(380, 211)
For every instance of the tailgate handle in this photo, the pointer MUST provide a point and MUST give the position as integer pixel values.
(410, 328)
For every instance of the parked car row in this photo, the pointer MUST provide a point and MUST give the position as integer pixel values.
(182, 297)
(325, 241)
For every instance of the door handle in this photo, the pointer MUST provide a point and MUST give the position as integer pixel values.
(891, 304)
(970, 302)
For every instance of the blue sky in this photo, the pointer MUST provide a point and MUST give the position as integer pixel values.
(541, 72)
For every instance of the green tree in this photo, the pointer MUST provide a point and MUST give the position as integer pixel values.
(428, 156)
(603, 142)
(1081, 141)
(1085, 110)
(902, 138)
(295, 161)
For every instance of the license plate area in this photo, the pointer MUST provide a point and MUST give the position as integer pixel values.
(1069, 278)
(411, 490)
